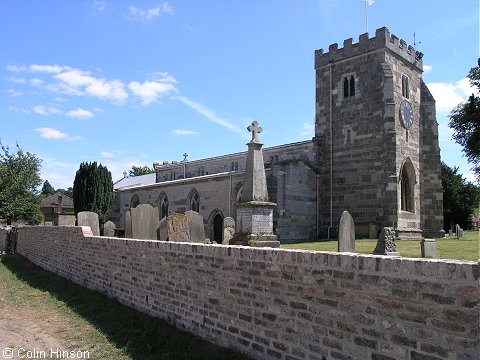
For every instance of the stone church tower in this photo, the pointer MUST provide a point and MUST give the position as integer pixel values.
(376, 137)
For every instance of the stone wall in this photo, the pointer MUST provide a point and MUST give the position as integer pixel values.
(276, 303)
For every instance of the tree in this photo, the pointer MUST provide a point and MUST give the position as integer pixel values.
(93, 190)
(19, 181)
(47, 189)
(140, 170)
(68, 192)
(460, 198)
(465, 121)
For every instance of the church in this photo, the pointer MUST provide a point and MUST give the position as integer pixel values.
(375, 153)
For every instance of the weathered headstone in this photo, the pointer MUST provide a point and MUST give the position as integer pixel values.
(109, 229)
(89, 218)
(177, 228)
(386, 243)
(459, 232)
(372, 231)
(346, 233)
(48, 223)
(429, 248)
(128, 225)
(145, 222)
(450, 232)
(195, 226)
(66, 220)
(163, 229)
(228, 230)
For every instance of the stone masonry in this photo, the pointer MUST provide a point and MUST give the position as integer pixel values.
(277, 303)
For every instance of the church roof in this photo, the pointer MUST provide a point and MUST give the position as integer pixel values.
(135, 181)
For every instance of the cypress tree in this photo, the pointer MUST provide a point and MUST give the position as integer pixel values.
(93, 190)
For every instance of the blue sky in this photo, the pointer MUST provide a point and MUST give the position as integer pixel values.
(133, 82)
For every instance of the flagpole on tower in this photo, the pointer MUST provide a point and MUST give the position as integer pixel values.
(367, 4)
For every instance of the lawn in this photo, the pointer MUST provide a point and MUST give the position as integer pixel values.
(40, 309)
(466, 248)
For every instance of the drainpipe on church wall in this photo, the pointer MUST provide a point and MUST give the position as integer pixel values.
(331, 153)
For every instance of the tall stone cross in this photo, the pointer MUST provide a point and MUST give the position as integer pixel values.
(255, 130)
(185, 157)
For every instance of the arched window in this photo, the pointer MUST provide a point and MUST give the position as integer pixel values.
(405, 88)
(348, 86)
(194, 200)
(407, 186)
(134, 202)
(163, 205)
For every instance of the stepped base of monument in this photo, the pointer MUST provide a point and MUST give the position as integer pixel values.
(264, 240)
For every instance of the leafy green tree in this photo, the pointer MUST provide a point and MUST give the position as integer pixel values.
(465, 121)
(19, 183)
(140, 170)
(93, 190)
(460, 198)
(68, 192)
(47, 189)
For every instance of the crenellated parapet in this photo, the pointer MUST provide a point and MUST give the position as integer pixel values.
(382, 40)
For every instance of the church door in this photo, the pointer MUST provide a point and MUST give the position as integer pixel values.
(217, 228)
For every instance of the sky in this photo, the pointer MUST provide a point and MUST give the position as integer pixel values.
(126, 82)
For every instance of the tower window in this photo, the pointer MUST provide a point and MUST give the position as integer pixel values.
(405, 88)
(349, 86)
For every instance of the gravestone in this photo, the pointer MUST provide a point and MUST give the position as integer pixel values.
(450, 232)
(228, 230)
(429, 248)
(109, 229)
(163, 233)
(128, 225)
(386, 243)
(346, 233)
(177, 228)
(145, 222)
(48, 223)
(196, 228)
(66, 220)
(459, 231)
(89, 218)
(372, 231)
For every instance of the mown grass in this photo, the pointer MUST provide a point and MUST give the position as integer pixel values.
(467, 248)
(86, 320)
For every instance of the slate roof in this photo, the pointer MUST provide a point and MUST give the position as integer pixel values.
(135, 181)
(52, 201)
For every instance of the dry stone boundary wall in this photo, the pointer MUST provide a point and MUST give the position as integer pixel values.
(276, 303)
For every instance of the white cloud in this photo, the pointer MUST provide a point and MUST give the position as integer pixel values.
(449, 95)
(99, 5)
(80, 113)
(150, 91)
(17, 80)
(53, 134)
(14, 93)
(36, 82)
(18, 110)
(46, 110)
(16, 68)
(149, 14)
(184, 132)
(107, 154)
(307, 130)
(49, 69)
(77, 82)
(427, 69)
(210, 115)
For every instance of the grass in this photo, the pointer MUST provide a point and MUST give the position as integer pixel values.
(466, 248)
(86, 320)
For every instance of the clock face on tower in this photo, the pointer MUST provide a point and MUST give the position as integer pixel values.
(406, 113)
